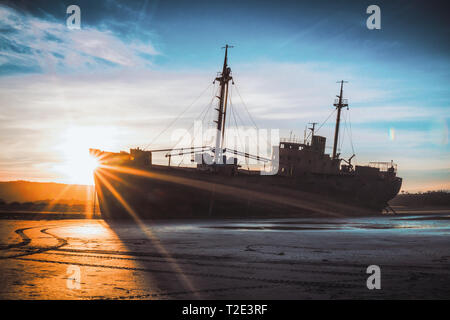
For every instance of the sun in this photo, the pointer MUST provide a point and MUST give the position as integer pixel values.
(81, 168)
(78, 168)
(77, 165)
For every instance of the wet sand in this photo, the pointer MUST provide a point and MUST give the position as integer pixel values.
(227, 259)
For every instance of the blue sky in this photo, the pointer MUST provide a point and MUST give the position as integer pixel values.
(135, 65)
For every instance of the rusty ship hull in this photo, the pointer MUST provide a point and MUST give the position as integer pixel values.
(161, 192)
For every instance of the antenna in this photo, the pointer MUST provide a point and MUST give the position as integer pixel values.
(313, 127)
(304, 135)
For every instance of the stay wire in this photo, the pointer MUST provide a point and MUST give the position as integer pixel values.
(178, 117)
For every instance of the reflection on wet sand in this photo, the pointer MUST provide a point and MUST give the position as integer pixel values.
(220, 259)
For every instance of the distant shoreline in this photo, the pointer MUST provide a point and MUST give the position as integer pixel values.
(54, 215)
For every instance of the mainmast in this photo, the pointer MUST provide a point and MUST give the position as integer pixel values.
(339, 104)
(224, 78)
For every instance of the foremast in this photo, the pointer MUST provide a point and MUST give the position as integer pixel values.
(339, 104)
(223, 79)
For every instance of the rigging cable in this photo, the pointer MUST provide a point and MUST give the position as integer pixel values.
(342, 133)
(321, 124)
(348, 130)
(178, 117)
(256, 127)
(246, 109)
(269, 145)
(207, 108)
(237, 129)
(351, 134)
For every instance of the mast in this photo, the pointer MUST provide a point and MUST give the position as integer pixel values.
(224, 78)
(339, 104)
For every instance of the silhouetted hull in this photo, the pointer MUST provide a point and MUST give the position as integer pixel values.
(162, 192)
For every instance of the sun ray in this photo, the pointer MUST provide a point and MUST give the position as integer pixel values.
(54, 201)
(172, 262)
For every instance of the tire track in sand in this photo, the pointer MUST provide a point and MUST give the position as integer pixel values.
(33, 250)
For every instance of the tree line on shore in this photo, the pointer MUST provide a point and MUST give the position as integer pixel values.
(425, 199)
(47, 205)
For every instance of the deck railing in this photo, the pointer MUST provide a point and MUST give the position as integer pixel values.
(384, 166)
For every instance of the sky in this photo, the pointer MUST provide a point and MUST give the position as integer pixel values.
(134, 66)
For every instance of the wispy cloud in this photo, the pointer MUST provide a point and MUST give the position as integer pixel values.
(33, 44)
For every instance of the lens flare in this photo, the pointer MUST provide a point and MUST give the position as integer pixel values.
(76, 164)
(391, 134)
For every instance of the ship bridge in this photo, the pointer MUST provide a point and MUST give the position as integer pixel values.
(297, 158)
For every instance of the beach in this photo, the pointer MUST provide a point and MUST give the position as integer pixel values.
(310, 258)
